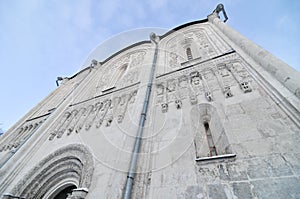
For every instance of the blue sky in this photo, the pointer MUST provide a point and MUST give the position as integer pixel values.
(41, 40)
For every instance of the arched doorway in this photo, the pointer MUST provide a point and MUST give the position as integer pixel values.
(64, 171)
(63, 192)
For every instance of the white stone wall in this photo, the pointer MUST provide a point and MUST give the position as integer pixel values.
(253, 121)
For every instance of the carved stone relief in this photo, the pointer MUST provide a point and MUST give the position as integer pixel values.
(227, 92)
(76, 118)
(123, 107)
(245, 86)
(109, 120)
(208, 96)
(173, 60)
(193, 99)
(84, 117)
(137, 58)
(171, 85)
(183, 87)
(93, 115)
(178, 104)
(195, 78)
(203, 81)
(67, 123)
(225, 80)
(164, 107)
(100, 112)
(205, 46)
(129, 78)
(183, 81)
(22, 133)
(210, 80)
(160, 89)
(132, 97)
(200, 46)
(241, 75)
(123, 71)
(63, 119)
(65, 164)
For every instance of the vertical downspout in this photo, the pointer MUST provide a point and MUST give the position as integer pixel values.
(133, 162)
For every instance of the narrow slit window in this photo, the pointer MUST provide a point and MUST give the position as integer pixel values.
(211, 145)
(211, 142)
(189, 54)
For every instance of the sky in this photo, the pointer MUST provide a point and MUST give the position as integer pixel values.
(41, 40)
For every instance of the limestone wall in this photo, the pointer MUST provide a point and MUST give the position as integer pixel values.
(216, 127)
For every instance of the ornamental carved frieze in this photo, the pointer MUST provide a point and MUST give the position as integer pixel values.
(203, 82)
(94, 113)
(16, 138)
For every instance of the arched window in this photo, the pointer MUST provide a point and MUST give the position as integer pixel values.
(189, 54)
(210, 137)
(210, 141)
(116, 76)
(121, 71)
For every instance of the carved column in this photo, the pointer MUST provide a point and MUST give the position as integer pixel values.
(288, 76)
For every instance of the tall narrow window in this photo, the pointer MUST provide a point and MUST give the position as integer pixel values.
(211, 145)
(118, 74)
(210, 139)
(189, 54)
(115, 77)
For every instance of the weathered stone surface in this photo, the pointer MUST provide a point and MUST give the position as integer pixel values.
(277, 188)
(218, 191)
(220, 123)
(242, 190)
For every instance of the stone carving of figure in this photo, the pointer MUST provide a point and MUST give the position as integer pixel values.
(137, 58)
(109, 121)
(193, 99)
(195, 78)
(164, 107)
(160, 89)
(183, 81)
(171, 85)
(178, 104)
(173, 62)
(227, 92)
(208, 96)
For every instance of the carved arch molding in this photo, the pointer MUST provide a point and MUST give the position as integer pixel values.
(70, 164)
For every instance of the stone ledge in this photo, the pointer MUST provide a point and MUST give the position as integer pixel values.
(226, 156)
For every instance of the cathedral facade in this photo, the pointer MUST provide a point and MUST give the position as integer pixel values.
(198, 112)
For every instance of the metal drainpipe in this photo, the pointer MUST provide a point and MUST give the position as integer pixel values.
(133, 163)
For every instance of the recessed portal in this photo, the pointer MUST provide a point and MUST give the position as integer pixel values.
(63, 194)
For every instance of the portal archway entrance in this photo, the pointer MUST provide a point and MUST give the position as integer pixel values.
(63, 192)
(64, 171)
